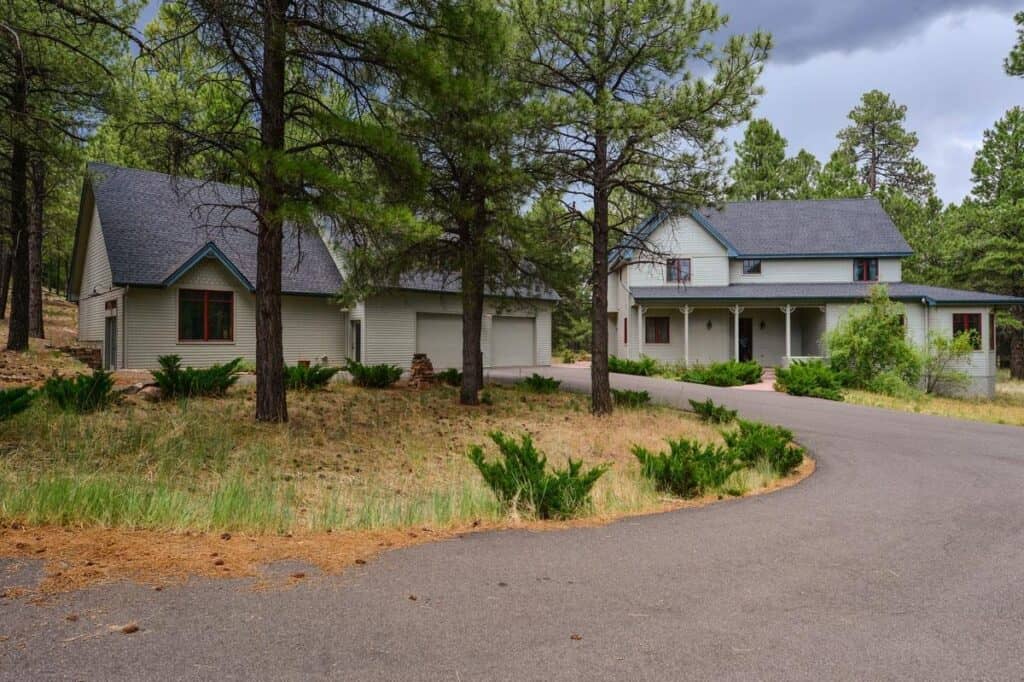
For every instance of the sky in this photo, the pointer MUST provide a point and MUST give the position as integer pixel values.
(941, 58)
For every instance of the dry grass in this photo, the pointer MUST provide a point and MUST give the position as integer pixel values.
(1007, 407)
(42, 359)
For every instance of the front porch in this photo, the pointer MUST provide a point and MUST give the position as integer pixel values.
(774, 334)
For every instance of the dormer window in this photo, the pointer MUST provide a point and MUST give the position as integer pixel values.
(752, 266)
(677, 270)
(865, 270)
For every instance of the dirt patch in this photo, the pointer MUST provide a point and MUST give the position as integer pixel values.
(77, 558)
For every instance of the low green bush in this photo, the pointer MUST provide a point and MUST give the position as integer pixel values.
(730, 373)
(535, 383)
(812, 378)
(373, 376)
(15, 400)
(452, 377)
(755, 442)
(521, 480)
(893, 385)
(709, 412)
(189, 382)
(308, 377)
(568, 356)
(628, 398)
(689, 468)
(644, 367)
(84, 393)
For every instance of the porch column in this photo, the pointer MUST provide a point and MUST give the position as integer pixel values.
(788, 309)
(686, 310)
(641, 330)
(736, 310)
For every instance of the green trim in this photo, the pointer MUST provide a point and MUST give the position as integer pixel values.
(706, 224)
(207, 251)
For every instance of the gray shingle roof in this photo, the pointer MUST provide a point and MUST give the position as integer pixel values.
(154, 224)
(437, 282)
(840, 291)
(830, 227)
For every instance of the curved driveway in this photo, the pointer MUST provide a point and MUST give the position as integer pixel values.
(902, 557)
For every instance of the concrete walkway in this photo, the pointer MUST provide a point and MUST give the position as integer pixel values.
(901, 558)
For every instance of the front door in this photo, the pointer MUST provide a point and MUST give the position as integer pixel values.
(357, 340)
(746, 339)
(110, 343)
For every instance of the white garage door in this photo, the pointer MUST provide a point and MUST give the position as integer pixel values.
(440, 337)
(512, 342)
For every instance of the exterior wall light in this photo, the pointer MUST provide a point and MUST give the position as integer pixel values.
(709, 325)
(762, 324)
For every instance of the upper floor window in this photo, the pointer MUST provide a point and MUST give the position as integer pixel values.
(206, 315)
(968, 323)
(865, 270)
(656, 330)
(677, 270)
(752, 266)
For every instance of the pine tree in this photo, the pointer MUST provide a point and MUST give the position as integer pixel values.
(760, 171)
(802, 175)
(1014, 64)
(998, 170)
(839, 178)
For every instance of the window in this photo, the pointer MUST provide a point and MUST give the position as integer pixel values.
(656, 330)
(968, 323)
(991, 331)
(625, 330)
(865, 270)
(752, 266)
(206, 315)
(677, 270)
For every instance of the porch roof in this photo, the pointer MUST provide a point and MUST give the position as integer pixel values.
(820, 292)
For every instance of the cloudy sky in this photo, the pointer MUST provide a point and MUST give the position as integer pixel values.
(941, 58)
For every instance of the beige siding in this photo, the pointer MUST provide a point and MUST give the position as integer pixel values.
(389, 324)
(97, 286)
(313, 327)
(683, 238)
(805, 270)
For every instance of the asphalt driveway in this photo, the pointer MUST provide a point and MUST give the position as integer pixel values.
(902, 557)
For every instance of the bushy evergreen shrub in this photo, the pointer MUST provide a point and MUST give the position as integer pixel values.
(753, 442)
(84, 393)
(15, 400)
(521, 479)
(644, 367)
(189, 382)
(373, 376)
(452, 377)
(812, 378)
(709, 412)
(689, 468)
(535, 383)
(729, 373)
(308, 377)
(628, 398)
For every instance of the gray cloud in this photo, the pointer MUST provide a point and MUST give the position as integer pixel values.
(804, 28)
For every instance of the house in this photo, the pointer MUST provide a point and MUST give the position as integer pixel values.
(766, 280)
(168, 266)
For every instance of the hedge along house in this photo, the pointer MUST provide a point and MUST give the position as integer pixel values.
(166, 266)
(767, 280)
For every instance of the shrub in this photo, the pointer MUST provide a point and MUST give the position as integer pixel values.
(84, 393)
(627, 398)
(811, 378)
(730, 373)
(521, 479)
(644, 367)
(892, 384)
(689, 468)
(938, 364)
(754, 442)
(175, 382)
(15, 400)
(870, 340)
(709, 412)
(452, 377)
(568, 356)
(373, 376)
(308, 377)
(536, 383)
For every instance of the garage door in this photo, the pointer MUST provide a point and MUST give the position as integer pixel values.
(512, 342)
(440, 337)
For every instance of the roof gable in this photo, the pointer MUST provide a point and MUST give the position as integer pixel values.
(157, 227)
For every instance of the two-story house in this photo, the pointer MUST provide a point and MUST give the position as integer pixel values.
(766, 280)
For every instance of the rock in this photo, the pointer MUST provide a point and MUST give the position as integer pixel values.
(132, 389)
(151, 393)
(130, 628)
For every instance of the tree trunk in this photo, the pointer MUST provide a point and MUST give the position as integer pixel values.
(600, 389)
(472, 277)
(1017, 347)
(35, 251)
(17, 335)
(271, 404)
(5, 279)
